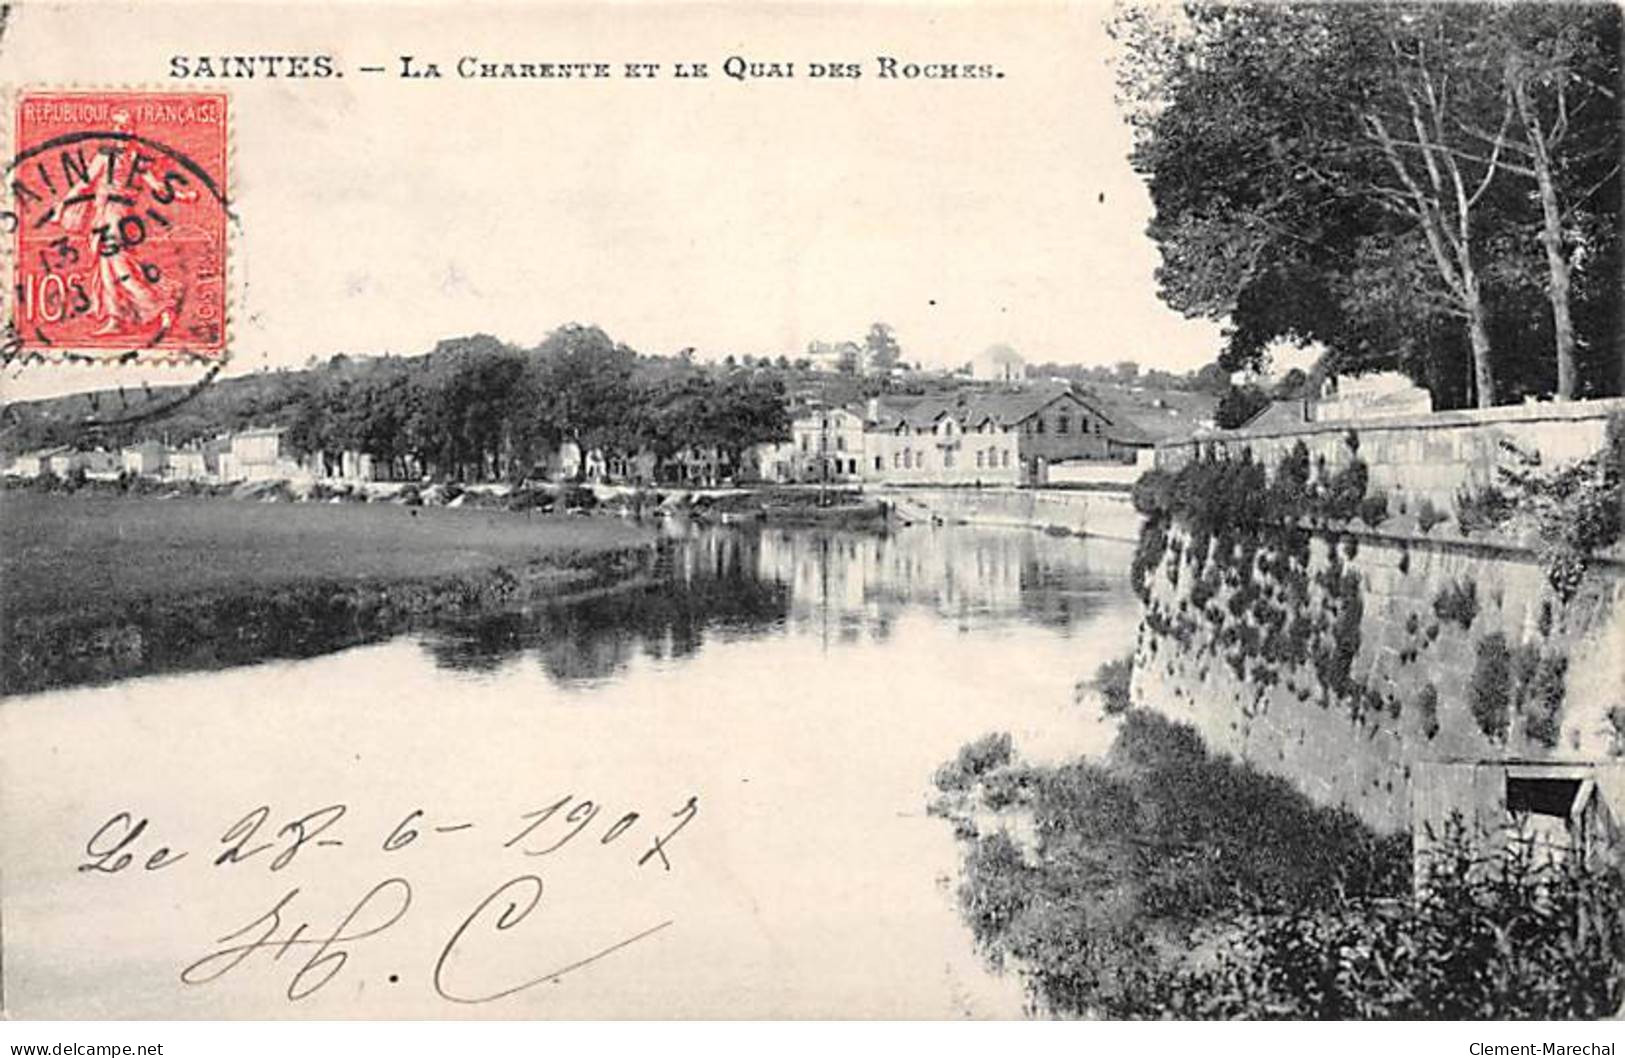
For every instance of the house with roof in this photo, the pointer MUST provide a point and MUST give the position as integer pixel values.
(938, 440)
(33, 464)
(992, 437)
(260, 454)
(827, 445)
(145, 459)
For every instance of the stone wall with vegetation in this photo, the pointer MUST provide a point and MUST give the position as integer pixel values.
(1423, 459)
(1306, 620)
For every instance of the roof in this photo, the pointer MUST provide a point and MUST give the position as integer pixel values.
(1004, 407)
(1278, 413)
(262, 431)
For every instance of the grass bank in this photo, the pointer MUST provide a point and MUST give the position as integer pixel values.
(1164, 881)
(99, 588)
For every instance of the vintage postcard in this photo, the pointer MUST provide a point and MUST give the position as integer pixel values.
(908, 511)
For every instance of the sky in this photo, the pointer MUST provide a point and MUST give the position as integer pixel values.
(380, 214)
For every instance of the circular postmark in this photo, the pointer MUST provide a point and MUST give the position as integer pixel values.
(117, 224)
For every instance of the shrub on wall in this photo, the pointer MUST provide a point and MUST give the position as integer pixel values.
(1427, 706)
(1428, 516)
(1458, 602)
(1374, 509)
(1489, 693)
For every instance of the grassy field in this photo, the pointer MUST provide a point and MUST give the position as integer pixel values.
(97, 588)
(61, 552)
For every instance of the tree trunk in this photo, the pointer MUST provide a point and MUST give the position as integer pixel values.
(1478, 334)
(1551, 239)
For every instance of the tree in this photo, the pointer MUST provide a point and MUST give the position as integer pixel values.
(881, 348)
(1238, 405)
(849, 358)
(1561, 76)
(584, 391)
(1345, 173)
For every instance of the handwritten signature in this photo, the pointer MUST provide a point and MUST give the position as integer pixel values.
(384, 905)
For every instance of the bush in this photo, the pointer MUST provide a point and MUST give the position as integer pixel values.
(1135, 856)
(1539, 686)
(1485, 508)
(1616, 729)
(1374, 509)
(1427, 706)
(1457, 602)
(1509, 935)
(1428, 516)
(577, 497)
(1112, 680)
(1489, 694)
(975, 760)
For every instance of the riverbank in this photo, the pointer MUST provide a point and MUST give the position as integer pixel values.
(1164, 880)
(99, 588)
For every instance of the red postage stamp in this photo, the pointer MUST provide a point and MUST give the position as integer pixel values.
(118, 203)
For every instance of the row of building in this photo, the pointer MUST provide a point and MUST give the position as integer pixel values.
(988, 437)
(246, 455)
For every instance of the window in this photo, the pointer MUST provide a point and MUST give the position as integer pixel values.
(1063, 424)
(897, 459)
(840, 444)
(908, 459)
(1004, 458)
(878, 462)
(980, 456)
(947, 457)
(804, 441)
(1038, 425)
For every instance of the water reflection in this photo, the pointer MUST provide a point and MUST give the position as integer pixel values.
(803, 685)
(727, 583)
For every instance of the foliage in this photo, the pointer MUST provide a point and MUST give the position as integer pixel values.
(1374, 509)
(1458, 602)
(1246, 533)
(1496, 935)
(1428, 516)
(1616, 729)
(478, 409)
(1427, 704)
(1365, 175)
(1527, 679)
(1482, 508)
(1238, 405)
(975, 760)
(1489, 694)
(1112, 679)
(1135, 854)
(1577, 509)
(881, 348)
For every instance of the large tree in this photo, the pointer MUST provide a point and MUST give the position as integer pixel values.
(1353, 174)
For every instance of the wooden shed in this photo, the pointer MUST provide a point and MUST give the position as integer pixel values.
(1566, 808)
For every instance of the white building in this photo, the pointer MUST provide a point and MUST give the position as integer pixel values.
(998, 363)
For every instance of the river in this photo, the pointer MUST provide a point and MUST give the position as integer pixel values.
(756, 738)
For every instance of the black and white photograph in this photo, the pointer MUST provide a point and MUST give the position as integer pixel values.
(906, 512)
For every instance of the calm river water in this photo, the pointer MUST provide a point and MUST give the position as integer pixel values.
(704, 799)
